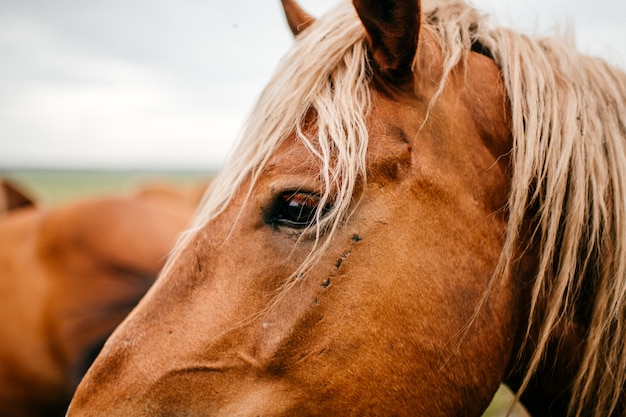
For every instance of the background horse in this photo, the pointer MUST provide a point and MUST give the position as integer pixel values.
(421, 206)
(68, 276)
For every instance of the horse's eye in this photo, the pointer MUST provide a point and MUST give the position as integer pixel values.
(296, 210)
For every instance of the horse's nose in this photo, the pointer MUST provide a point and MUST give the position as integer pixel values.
(220, 389)
(137, 375)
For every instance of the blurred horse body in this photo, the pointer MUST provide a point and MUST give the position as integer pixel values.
(68, 276)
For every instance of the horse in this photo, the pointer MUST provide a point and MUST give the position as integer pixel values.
(69, 274)
(422, 205)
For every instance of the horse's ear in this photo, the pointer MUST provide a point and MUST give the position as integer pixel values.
(392, 33)
(297, 18)
(11, 197)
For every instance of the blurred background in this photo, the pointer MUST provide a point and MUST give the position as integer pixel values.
(163, 86)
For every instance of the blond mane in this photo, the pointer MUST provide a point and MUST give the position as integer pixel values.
(569, 160)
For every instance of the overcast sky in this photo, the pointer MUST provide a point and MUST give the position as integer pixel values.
(156, 84)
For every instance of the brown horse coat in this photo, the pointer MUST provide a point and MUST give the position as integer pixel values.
(68, 276)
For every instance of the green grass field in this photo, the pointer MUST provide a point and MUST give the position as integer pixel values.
(54, 187)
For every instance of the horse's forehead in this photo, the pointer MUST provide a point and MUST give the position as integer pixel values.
(293, 157)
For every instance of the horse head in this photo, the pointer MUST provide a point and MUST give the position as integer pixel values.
(368, 250)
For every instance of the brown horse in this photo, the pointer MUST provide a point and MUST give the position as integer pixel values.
(422, 205)
(68, 276)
